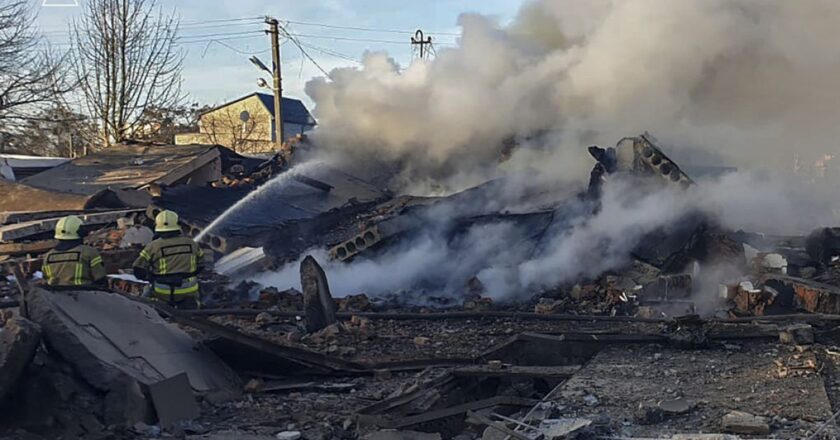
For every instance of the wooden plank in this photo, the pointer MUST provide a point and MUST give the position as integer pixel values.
(37, 247)
(27, 229)
(9, 217)
(461, 409)
(559, 372)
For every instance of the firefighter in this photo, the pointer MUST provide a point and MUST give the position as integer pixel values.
(171, 263)
(72, 264)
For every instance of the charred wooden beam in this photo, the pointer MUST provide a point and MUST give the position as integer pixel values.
(516, 371)
(432, 316)
(26, 229)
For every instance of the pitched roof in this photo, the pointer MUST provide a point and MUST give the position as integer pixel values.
(294, 111)
(123, 166)
(19, 197)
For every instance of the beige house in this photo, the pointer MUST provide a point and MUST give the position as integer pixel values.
(246, 125)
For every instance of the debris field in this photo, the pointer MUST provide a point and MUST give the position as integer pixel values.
(656, 346)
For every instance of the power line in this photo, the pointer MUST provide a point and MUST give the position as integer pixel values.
(177, 42)
(189, 37)
(366, 40)
(303, 51)
(198, 24)
(364, 29)
(331, 53)
(241, 52)
(180, 27)
(226, 20)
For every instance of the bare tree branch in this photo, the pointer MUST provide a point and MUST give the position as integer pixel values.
(126, 61)
(30, 76)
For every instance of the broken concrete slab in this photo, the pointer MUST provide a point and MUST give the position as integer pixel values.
(120, 346)
(19, 339)
(317, 300)
(642, 155)
(173, 400)
(739, 422)
(243, 261)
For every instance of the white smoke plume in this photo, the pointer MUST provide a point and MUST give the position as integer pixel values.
(747, 83)
(750, 82)
(584, 247)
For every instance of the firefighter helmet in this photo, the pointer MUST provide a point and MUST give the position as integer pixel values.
(68, 228)
(167, 221)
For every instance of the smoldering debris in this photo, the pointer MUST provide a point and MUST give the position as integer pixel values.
(520, 237)
(470, 289)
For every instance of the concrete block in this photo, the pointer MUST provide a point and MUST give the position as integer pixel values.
(19, 339)
(174, 401)
(317, 300)
(120, 346)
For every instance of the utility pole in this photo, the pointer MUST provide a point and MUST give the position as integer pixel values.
(274, 33)
(418, 39)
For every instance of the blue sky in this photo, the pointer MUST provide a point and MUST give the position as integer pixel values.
(216, 67)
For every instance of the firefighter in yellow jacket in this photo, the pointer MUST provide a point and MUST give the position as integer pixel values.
(71, 264)
(171, 263)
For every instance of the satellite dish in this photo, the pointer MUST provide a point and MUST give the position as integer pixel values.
(244, 116)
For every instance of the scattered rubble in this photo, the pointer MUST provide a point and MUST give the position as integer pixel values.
(19, 339)
(739, 422)
(629, 353)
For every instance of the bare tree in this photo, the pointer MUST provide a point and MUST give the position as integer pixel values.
(164, 123)
(30, 78)
(54, 131)
(126, 60)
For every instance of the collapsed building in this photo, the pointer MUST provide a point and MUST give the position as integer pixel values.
(571, 359)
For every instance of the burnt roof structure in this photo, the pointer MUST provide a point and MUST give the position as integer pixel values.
(132, 167)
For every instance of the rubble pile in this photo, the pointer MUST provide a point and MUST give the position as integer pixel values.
(664, 344)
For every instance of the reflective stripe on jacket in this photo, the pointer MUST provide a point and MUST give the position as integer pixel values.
(187, 287)
(172, 261)
(78, 266)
